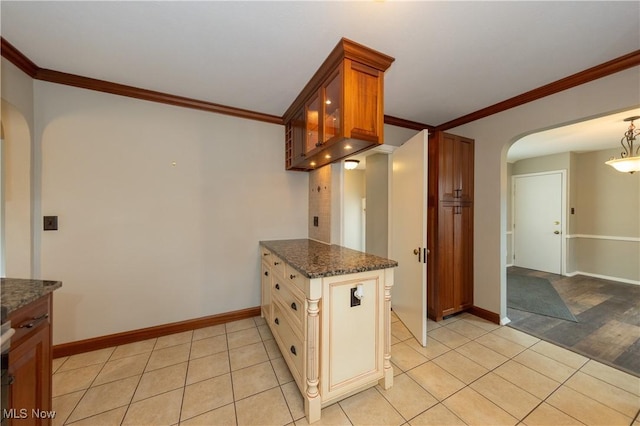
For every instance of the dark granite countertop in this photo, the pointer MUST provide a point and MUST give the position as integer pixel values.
(16, 292)
(315, 259)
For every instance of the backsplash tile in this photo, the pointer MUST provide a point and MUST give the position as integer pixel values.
(320, 204)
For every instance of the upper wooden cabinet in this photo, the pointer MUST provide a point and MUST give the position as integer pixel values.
(340, 111)
(454, 166)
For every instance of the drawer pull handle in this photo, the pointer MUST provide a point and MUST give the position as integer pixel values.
(277, 321)
(294, 306)
(291, 276)
(277, 286)
(266, 273)
(33, 321)
(293, 350)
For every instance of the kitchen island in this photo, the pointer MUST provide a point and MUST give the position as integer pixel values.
(329, 309)
(27, 304)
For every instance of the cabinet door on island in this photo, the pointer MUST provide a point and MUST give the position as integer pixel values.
(30, 365)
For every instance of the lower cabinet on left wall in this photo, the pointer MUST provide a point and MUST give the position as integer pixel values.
(30, 363)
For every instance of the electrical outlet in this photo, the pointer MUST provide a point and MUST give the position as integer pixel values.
(315, 221)
(50, 223)
(354, 300)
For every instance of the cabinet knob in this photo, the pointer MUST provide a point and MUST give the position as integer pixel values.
(276, 263)
(265, 254)
(266, 273)
(291, 276)
(293, 350)
(294, 306)
(277, 286)
(277, 321)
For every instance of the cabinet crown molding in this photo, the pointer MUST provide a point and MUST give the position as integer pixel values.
(345, 49)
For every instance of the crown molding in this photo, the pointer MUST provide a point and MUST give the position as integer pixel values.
(13, 55)
(150, 95)
(16, 57)
(408, 124)
(611, 67)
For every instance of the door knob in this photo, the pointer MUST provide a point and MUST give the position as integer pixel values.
(556, 232)
(416, 251)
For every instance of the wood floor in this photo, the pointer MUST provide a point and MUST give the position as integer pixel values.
(608, 313)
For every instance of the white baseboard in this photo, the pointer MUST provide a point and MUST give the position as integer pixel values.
(505, 321)
(604, 277)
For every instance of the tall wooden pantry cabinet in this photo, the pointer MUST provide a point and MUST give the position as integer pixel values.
(450, 225)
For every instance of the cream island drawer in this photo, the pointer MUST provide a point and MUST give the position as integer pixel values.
(272, 260)
(292, 300)
(296, 278)
(291, 345)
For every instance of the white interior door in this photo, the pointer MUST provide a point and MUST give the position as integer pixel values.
(538, 221)
(408, 233)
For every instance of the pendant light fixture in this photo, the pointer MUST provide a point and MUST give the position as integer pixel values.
(630, 157)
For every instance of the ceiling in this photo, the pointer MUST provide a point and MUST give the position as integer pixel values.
(452, 58)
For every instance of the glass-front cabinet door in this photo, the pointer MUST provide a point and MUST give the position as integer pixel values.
(332, 107)
(313, 123)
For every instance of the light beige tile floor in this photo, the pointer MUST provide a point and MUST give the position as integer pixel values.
(471, 372)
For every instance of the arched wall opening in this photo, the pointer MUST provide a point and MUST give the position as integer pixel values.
(593, 243)
(494, 135)
(16, 201)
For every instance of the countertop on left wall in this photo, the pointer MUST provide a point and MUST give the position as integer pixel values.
(18, 292)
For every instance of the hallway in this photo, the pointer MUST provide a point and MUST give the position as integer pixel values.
(608, 313)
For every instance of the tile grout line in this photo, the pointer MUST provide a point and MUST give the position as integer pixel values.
(186, 375)
(88, 387)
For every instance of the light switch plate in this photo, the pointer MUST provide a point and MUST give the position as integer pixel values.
(50, 223)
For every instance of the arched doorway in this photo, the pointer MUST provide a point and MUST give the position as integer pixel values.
(16, 200)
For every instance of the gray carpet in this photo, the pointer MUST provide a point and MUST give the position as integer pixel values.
(537, 295)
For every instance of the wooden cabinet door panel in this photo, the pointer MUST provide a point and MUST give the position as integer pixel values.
(447, 182)
(446, 253)
(463, 169)
(463, 242)
(455, 168)
(364, 89)
(30, 366)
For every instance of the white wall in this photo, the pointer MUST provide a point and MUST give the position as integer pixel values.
(377, 194)
(493, 136)
(354, 192)
(143, 241)
(607, 211)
